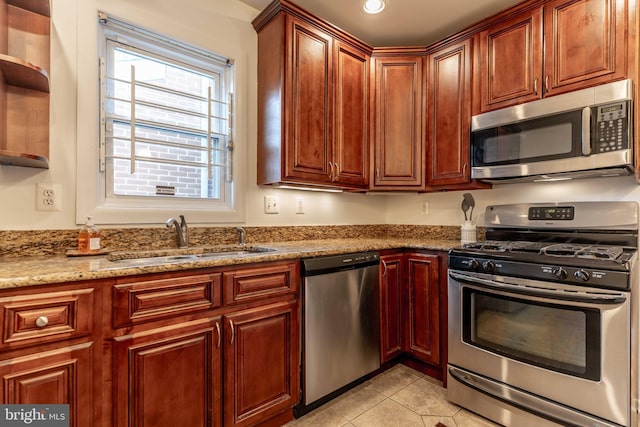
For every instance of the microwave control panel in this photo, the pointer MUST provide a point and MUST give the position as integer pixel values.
(611, 131)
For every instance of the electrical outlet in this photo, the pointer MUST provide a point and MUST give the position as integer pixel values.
(271, 204)
(299, 205)
(48, 197)
(424, 208)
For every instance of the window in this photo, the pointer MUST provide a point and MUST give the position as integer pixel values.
(166, 121)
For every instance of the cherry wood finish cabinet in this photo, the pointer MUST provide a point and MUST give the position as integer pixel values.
(413, 312)
(210, 347)
(313, 102)
(50, 348)
(422, 333)
(391, 277)
(560, 46)
(398, 142)
(24, 86)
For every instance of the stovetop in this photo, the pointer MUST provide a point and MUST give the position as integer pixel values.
(592, 244)
(516, 250)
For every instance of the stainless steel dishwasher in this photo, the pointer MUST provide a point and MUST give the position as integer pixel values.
(341, 324)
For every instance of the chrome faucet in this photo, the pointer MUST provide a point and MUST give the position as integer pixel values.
(241, 234)
(181, 229)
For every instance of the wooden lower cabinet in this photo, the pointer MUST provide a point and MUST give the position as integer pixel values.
(413, 309)
(229, 364)
(261, 366)
(423, 332)
(59, 376)
(391, 276)
(169, 376)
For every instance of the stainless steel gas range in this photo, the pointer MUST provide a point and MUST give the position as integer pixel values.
(541, 315)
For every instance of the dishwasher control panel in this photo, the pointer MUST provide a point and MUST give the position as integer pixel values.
(324, 264)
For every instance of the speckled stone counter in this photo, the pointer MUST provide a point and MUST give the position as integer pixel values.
(30, 271)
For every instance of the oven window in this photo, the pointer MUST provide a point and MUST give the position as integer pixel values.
(561, 338)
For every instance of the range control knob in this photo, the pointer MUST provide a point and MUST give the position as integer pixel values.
(581, 275)
(560, 273)
(488, 266)
(474, 264)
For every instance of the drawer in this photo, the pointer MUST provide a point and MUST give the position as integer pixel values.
(149, 300)
(261, 282)
(47, 317)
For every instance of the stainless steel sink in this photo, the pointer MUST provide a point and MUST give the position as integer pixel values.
(185, 255)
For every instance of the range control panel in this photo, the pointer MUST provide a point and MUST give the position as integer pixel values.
(546, 213)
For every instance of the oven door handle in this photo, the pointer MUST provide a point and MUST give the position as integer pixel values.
(590, 298)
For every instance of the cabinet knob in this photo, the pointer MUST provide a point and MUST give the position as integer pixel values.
(384, 269)
(330, 171)
(535, 85)
(42, 321)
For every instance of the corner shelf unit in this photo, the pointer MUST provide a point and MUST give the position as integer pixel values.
(24, 83)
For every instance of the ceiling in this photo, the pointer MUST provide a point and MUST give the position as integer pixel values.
(402, 22)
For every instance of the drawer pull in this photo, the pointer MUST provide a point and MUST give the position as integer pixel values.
(42, 321)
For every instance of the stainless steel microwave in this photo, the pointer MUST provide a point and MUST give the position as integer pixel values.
(586, 133)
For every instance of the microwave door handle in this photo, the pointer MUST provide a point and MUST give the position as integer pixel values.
(586, 131)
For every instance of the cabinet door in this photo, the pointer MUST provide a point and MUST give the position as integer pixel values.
(170, 376)
(308, 150)
(423, 329)
(390, 306)
(511, 62)
(61, 376)
(398, 143)
(585, 43)
(449, 115)
(351, 123)
(261, 363)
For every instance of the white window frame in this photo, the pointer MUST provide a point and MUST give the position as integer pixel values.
(92, 198)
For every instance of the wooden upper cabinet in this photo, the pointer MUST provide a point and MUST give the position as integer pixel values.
(399, 147)
(308, 147)
(313, 102)
(563, 46)
(351, 112)
(449, 115)
(585, 43)
(511, 61)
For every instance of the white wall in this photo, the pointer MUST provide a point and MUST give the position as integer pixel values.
(223, 26)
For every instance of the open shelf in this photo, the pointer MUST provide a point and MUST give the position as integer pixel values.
(12, 158)
(23, 74)
(41, 7)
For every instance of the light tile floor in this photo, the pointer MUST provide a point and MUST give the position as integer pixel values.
(400, 397)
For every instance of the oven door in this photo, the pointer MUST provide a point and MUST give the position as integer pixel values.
(560, 343)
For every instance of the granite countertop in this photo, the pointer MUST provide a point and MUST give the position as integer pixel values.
(30, 271)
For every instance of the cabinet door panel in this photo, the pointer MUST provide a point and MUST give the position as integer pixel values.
(584, 43)
(399, 145)
(511, 62)
(308, 151)
(261, 363)
(449, 115)
(424, 313)
(351, 116)
(62, 376)
(391, 275)
(169, 376)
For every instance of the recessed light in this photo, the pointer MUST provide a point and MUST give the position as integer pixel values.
(373, 6)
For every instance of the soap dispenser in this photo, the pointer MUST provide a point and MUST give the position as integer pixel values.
(89, 237)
